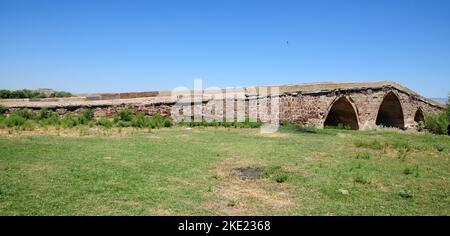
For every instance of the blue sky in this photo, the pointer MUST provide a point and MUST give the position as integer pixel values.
(112, 46)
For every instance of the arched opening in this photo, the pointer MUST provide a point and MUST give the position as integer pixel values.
(390, 113)
(418, 117)
(342, 114)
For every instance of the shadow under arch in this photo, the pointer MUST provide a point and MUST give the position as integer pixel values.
(419, 117)
(342, 113)
(390, 113)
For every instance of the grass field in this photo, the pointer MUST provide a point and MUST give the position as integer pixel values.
(176, 171)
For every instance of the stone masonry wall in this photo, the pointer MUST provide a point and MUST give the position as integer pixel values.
(294, 107)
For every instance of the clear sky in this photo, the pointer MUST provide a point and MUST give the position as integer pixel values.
(113, 46)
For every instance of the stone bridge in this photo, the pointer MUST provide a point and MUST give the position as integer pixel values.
(360, 106)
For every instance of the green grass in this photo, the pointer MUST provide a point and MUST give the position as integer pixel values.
(176, 171)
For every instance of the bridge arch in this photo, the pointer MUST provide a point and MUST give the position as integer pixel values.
(342, 112)
(419, 117)
(390, 112)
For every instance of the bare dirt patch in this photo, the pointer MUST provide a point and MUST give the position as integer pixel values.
(248, 172)
(240, 191)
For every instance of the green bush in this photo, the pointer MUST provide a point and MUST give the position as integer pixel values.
(2, 110)
(53, 119)
(88, 114)
(60, 94)
(5, 94)
(28, 125)
(437, 123)
(44, 113)
(82, 120)
(139, 121)
(156, 121)
(104, 122)
(125, 115)
(26, 93)
(92, 123)
(15, 120)
(162, 121)
(48, 117)
(70, 121)
(167, 122)
(26, 113)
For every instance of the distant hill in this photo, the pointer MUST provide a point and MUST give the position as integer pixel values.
(440, 100)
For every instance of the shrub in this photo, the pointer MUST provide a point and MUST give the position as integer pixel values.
(15, 120)
(88, 114)
(2, 110)
(26, 93)
(139, 121)
(44, 113)
(159, 121)
(437, 123)
(51, 119)
(104, 122)
(92, 123)
(18, 94)
(28, 125)
(5, 93)
(70, 121)
(25, 113)
(167, 122)
(125, 115)
(82, 120)
(60, 94)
